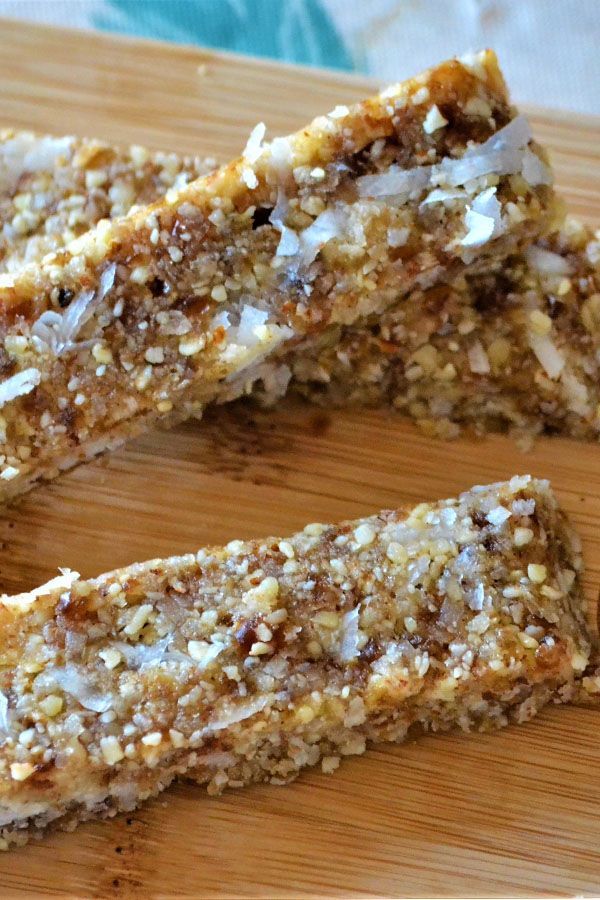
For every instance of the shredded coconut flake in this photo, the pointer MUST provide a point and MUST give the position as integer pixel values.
(547, 353)
(58, 332)
(250, 320)
(289, 245)
(281, 156)
(439, 195)
(144, 656)
(478, 359)
(64, 582)
(487, 204)
(73, 319)
(533, 170)
(397, 237)
(22, 383)
(339, 112)
(239, 713)
(107, 280)
(479, 229)
(27, 152)
(576, 393)
(302, 248)
(4, 723)
(254, 148)
(217, 760)
(249, 178)
(476, 598)
(280, 210)
(483, 219)
(328, 225)
(79, 685)
(504, 153)
(523, 507)
(349, 635)
(396, 182)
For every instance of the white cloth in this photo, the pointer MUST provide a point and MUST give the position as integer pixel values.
(549, 50)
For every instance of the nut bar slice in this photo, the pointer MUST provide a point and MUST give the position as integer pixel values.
(515, 349)
(53, 189)
(147, 318)
(247, 663)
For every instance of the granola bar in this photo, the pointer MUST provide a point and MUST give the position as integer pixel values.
(54, 189)
(145, 319)
(515, 349)
(249, 662)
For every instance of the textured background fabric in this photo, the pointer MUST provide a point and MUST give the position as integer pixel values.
(549, 49)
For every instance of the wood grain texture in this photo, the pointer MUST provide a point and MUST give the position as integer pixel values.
(510, 814)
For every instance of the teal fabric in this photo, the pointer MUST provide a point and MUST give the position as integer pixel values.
(297, 31)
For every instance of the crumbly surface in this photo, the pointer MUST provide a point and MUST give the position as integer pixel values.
(251, 661)
(144, 319)
(515, 349)
(54, 189)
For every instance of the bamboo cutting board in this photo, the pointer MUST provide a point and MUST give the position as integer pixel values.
(510, 814)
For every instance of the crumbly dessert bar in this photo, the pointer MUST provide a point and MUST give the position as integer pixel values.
(145, 319)
(248, 662)
(54, 189)
(518, 348)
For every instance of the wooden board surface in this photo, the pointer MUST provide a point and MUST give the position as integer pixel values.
(509, 814)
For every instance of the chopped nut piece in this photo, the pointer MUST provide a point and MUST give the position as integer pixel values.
(522, 537)
(259, 648)
(537, 572)
(364, 535)
(191, 346)
(219, 293)
(140, 274)
(328, 619)
(396, 552)
(177, 738)
(330, 763)
(111, 750)
(540, 322)
(434, 120)
(138, 619)
(111, 657)
(21, 771)
(287, 549)
(410, 624)
(51, 705)
(528, 641)
(154, 355)
(102, 354)
(305, 714)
